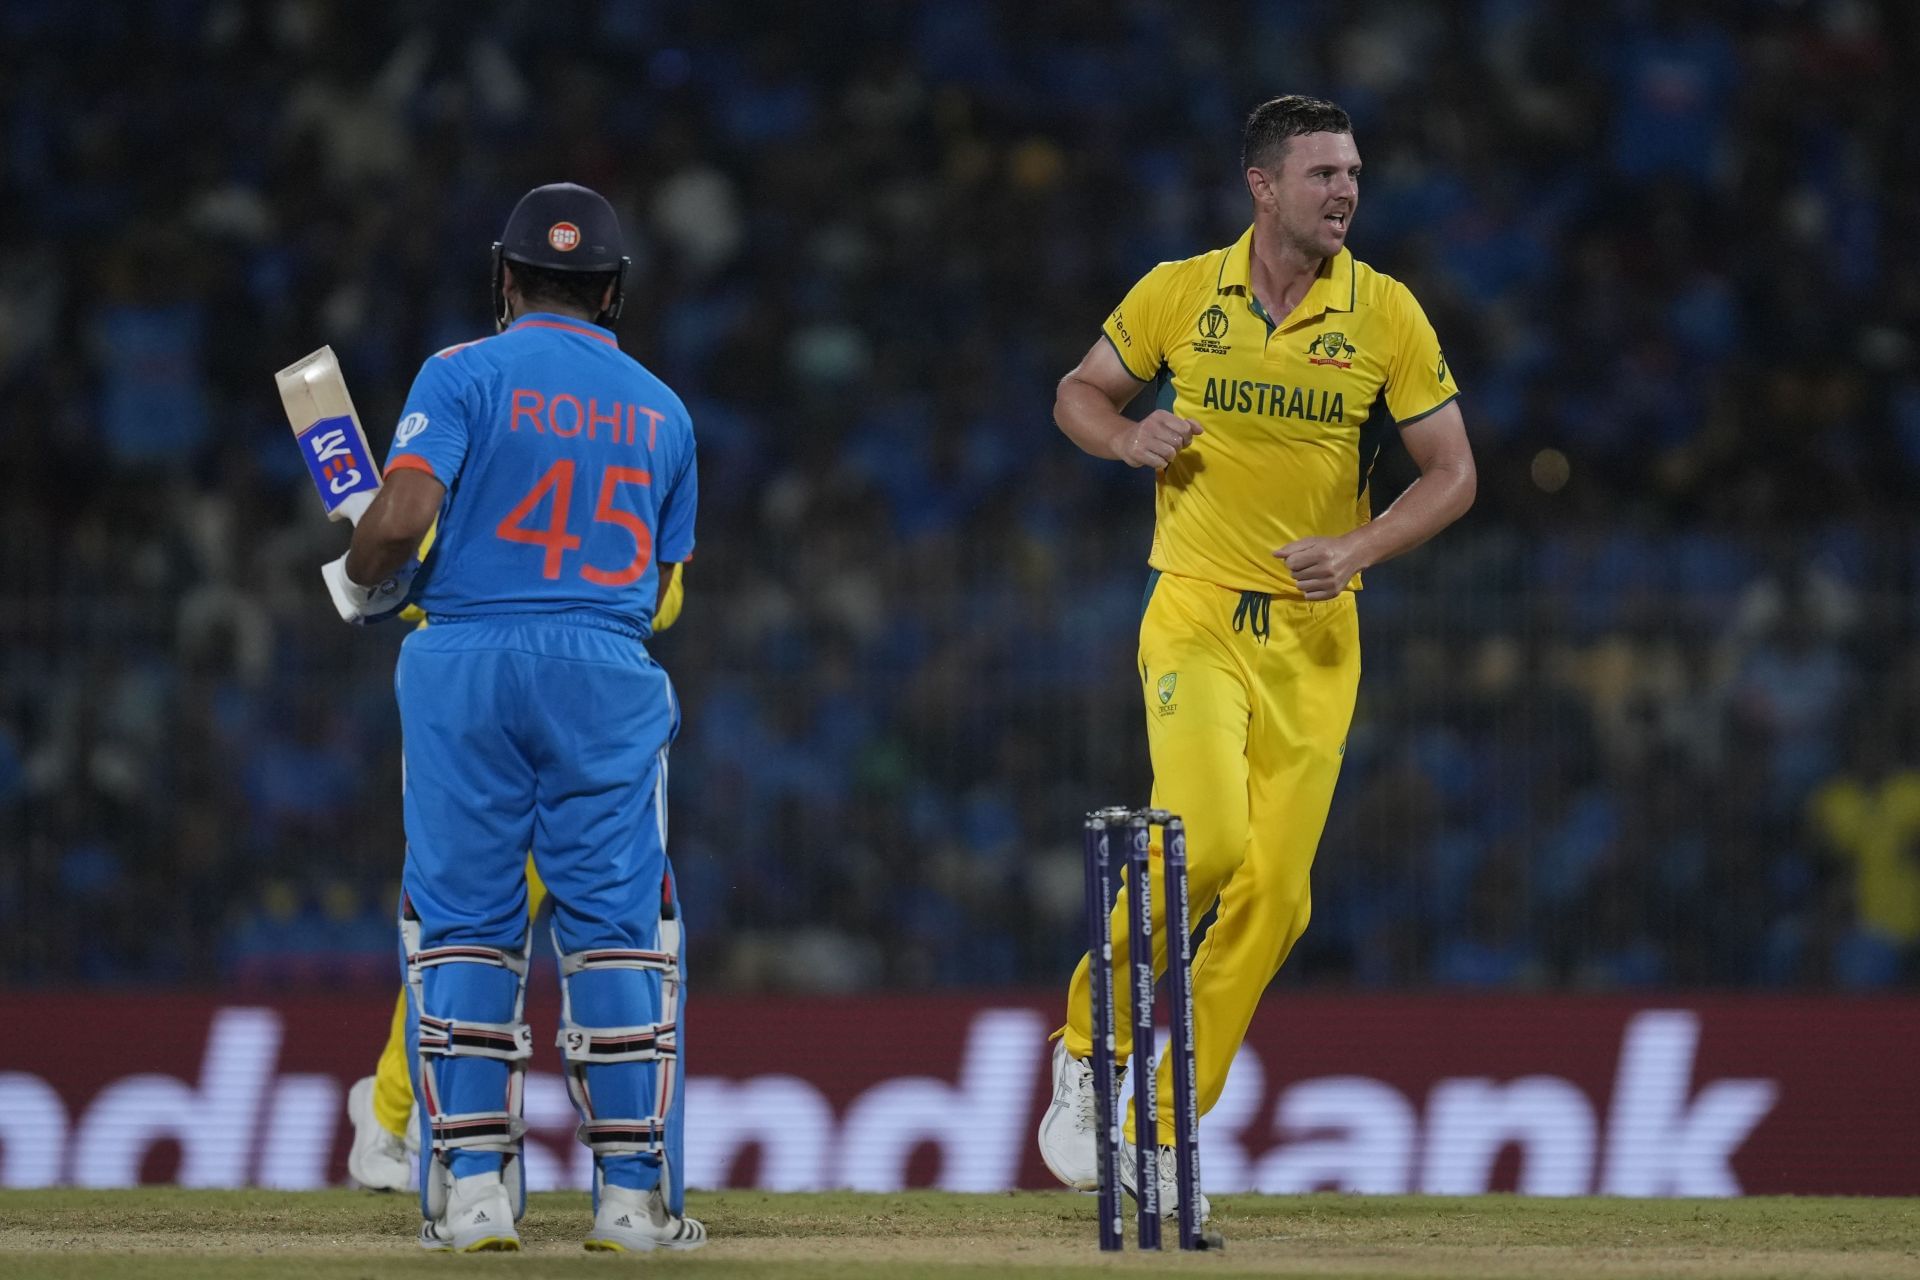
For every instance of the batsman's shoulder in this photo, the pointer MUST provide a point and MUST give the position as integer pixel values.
(463, 364)
(449, 353)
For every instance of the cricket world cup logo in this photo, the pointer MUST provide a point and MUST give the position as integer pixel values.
(1212, 326)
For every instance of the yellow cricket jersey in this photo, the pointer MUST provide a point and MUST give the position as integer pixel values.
(1291, 411)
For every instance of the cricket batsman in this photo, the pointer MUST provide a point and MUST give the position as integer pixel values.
(1282, 363)
(560, 477)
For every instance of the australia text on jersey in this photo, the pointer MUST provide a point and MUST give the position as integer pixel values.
(566, 416)
(1244, 395)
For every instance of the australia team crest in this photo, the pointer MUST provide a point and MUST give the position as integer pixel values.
(1332, 348)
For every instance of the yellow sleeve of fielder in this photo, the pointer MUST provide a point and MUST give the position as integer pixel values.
(667, 612)
(1418, 380)
(413, 612)
(1138, 326)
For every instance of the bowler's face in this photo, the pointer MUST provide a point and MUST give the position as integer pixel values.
(1314, 191)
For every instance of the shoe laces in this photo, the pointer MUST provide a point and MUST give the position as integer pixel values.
(1085, 1114)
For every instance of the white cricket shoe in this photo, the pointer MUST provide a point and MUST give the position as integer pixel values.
(1068, 1129)
(479, 1218)
(630, 1221)
(1169, 1183)
(378, 1159)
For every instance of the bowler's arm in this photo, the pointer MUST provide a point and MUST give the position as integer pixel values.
(1088, 402)
(1440, 495)
(672, 594)
(390, 532)
(1087, 408)
(1322, 567)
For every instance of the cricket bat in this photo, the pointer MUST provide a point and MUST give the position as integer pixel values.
(329, 434)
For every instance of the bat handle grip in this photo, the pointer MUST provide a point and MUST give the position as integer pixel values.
(353, 506)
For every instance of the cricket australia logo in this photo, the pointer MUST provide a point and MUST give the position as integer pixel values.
(1331, 348)
(1213, 327)
(410, 426)
(1165, 689)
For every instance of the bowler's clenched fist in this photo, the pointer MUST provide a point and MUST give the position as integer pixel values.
(1321, 567)
(1156, 438)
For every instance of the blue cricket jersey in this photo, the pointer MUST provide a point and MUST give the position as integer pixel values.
(569, 470)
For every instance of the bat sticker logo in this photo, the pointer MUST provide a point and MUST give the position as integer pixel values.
(410, 426)
(564, 236)
(328, 445)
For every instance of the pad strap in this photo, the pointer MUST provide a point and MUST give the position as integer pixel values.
(618, 958)
(470, 953)
(602, 1045)
(624, 1137)
(451, 1037)
(479, 1131)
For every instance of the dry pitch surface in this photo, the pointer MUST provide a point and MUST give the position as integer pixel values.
(170, 1235)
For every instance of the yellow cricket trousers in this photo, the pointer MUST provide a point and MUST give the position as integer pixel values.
(1249, 698)
(392, 1083)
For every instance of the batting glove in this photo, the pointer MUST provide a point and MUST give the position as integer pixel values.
(361, 605)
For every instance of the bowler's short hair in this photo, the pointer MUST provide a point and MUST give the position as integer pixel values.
(1273, 124)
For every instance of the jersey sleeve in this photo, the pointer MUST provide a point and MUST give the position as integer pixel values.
(674, 543)
(1138, 326)
(1418, 379)
(433, 432)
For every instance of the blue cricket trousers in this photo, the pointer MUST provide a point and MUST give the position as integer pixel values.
(547, 733)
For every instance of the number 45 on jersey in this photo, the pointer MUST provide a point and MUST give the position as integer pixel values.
(554, 539)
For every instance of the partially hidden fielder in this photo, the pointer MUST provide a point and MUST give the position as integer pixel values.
(1283, 365)
(560, 476)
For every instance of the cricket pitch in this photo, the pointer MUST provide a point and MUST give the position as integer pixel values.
(172, 1234)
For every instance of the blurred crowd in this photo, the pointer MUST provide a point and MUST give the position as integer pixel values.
(1647, 717)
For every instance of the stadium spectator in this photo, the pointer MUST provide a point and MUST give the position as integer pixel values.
(1610, 732)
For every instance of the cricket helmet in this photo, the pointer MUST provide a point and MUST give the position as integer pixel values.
(562, 227)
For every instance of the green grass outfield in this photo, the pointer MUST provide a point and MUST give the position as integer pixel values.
(167, 1234)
